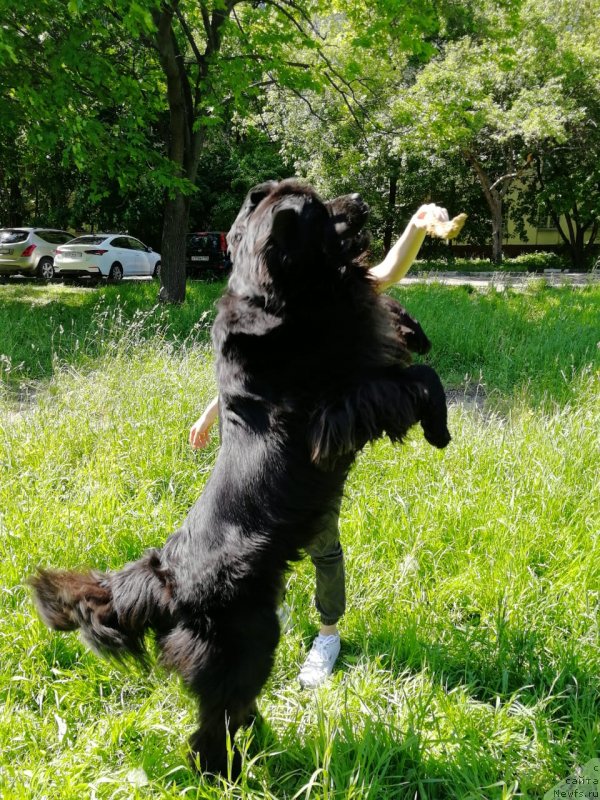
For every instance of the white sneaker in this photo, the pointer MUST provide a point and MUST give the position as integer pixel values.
(319, 663)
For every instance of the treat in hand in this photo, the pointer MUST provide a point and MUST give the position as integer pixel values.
(436, 222)
(449, 229)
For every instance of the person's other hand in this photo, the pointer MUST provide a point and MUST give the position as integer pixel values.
(200, 433)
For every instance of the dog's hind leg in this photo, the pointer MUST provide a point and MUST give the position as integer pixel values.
(229, 676)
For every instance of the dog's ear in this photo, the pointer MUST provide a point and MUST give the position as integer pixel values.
(285, 226)
(349, 212)
(259, 192)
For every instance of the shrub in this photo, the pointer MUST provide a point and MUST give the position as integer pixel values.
(526, 262)
(536, 262)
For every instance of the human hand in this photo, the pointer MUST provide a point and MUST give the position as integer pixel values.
(436, 222)
(200, 432)
(428, 215)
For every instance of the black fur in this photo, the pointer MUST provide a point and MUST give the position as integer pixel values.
(311, 365)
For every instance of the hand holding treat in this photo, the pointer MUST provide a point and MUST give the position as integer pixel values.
(436, 222)
(429, 219)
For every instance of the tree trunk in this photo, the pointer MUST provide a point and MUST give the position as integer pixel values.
(185, 135)
(578, 251)
(181, 153)
(15, 204)
(497, 230)
(574, 238)
(493, 198)
(172, 273)
(389, 222)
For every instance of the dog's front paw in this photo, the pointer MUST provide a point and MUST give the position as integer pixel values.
(438, 437)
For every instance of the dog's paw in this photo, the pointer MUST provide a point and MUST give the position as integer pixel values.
(438, 437)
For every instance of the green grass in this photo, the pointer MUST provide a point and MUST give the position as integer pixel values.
(470, 661)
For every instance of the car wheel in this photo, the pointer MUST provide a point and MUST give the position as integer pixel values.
(116, 273)
(45, 270)
(156, 273)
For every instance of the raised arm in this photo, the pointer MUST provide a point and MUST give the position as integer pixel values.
(428, 219)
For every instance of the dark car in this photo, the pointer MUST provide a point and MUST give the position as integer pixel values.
(206, 254)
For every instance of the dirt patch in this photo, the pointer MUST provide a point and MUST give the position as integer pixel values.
(471, 398)
(19, 403)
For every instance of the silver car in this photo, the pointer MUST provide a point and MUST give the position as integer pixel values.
(30, 251)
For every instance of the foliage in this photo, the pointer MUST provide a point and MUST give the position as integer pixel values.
(521, 104)
(537, 261)
(232, 161)
(526, 262)
(563, 183)
(442, 102)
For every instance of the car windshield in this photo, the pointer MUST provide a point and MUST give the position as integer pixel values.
(203, 241)
(8, 236)
(54, 237)
(90, 239)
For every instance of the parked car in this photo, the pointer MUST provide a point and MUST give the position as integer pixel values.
(30, 251)
(206, 253)
(106, 255)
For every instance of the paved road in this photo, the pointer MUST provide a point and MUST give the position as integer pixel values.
(515, 280)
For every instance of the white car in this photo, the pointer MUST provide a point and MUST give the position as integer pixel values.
(106, 255)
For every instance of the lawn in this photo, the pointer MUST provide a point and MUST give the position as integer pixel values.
(470, 664)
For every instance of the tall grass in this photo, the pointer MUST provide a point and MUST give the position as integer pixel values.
(470, 653)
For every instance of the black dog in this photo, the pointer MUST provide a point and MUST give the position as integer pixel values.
(310, 367)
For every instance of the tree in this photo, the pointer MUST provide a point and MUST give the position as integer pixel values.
(350, 140)
(206, 61)
(482, 102)
(82, 129)
(217, 57)
(565, 176)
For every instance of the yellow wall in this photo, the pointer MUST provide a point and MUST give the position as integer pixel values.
(533, 235)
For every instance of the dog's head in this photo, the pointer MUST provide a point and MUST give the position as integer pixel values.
(286, 237)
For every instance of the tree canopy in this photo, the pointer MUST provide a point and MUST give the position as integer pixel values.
(145, 114)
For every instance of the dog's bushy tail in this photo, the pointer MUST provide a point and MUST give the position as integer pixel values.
(113, 610)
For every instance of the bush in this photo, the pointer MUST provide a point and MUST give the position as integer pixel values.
(455, 265)
(526, 262)
(536, 262)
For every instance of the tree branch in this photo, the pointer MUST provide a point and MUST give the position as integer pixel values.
(189, 36)
(507, 177)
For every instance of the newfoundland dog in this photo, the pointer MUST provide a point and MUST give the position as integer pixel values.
(312, 364)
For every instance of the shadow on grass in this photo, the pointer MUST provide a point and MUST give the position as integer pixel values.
(490, 666)
(42, 326)
(386, 763)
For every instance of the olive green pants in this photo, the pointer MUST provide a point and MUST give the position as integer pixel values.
(327, 556)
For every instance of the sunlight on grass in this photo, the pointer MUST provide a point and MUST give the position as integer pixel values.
(470, 655)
